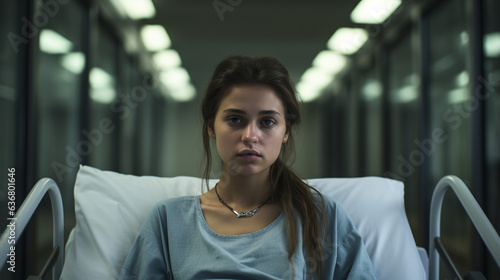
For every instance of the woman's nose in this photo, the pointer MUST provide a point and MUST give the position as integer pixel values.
(250, 134)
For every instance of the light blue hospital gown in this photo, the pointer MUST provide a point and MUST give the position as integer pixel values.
(175, 242)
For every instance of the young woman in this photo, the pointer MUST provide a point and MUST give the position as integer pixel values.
(260, 221)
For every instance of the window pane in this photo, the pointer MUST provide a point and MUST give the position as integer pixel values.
(58, 74)
(145, 132)
(8, 93)
(8, 103)
(335, 111)
(159, 137)
(492, 91)
(371, 125)
(126, 112)
(450, 121)
(352, 131)
(404, 130)
(103, 92)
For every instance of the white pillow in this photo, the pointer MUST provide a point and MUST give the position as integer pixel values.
(110, 208)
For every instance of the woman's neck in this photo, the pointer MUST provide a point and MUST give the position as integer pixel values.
(245, 192)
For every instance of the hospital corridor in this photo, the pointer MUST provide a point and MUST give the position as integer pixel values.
(103, 112)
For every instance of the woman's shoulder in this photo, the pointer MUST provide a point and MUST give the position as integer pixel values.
(176, 204)
(322, 200)
(179, 199)
(331, 208)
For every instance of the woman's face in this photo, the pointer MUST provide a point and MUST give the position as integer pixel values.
(249, 129)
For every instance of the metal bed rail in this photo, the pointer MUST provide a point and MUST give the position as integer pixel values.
(22, 217)
(475, 213)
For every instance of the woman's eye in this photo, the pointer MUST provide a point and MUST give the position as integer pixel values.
(269, 122)
(233, 120)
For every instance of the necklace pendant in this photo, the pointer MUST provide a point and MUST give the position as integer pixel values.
(245, 215)
(241, 214)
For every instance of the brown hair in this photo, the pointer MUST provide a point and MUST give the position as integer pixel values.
(288, 190)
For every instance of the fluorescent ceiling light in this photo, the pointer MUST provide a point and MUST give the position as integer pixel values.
(464, 37)
(100, 78)
(458, 95)
(406, 94)
(182, 93)
(492, 44)
(167, 59)
(330, 61)
(308, 91)
(74, 62)
(374, 11)
(103, 95)
(348, 40)
(372, 89)
(54, 43)
(155, 38)
(102, 84)
(462, 79)
(175, 77)
(317, 76)
(136, 9)
(313, 82)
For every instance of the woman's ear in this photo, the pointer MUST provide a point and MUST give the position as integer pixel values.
(211, 132)
(285, 138)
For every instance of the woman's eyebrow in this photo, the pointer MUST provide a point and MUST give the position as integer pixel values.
(269, 112)
(264, 112)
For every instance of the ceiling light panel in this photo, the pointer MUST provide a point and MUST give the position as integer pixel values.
(155, 38)
(175, 77)
(374, 11)
(308, 91)
(74, 62)
(137, 9)
(167, 59)
(330, 61)
(54, 43)
(182, 93)
(347, 40)
(492, 44)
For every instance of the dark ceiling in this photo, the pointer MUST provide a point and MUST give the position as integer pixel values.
(293, 31)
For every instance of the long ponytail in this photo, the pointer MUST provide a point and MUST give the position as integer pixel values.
(296, 198)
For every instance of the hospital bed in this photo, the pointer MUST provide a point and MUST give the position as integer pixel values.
(110, 208)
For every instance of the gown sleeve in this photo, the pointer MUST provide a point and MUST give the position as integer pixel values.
(351, 260)
(148, 258)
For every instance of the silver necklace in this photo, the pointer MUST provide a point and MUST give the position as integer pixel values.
(241, 214)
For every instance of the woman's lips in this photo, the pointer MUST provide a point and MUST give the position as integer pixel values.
(249, 154)
(249, 157)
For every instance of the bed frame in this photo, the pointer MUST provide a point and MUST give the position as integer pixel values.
(22, 218)
(478, 218)
(476, 214)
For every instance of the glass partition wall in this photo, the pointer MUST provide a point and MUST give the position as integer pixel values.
(103, 78)
(60, 84)
(405, 144)
(371, 124)
(450, 118)
(12, 50)
(408, 114)
(490, 83)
